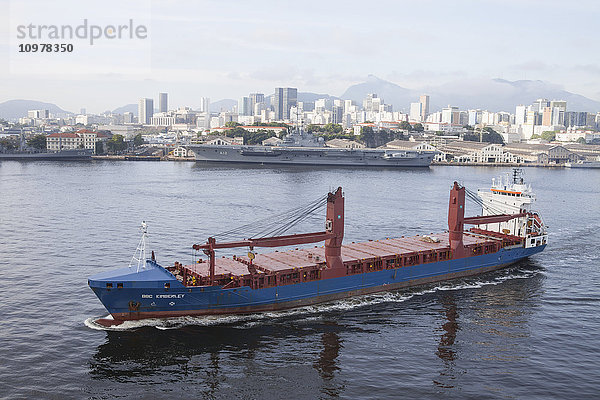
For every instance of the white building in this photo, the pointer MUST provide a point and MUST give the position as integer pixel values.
(82, 139)
(416, 111)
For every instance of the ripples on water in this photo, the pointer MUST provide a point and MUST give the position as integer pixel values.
(530, 331)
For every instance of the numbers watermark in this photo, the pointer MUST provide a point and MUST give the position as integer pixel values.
(45, 47)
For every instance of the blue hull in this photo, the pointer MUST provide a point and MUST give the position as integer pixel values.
(143, 294)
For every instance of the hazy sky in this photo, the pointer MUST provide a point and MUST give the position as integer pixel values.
(226, 49)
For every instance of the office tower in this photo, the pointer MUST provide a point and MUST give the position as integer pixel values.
(127, 117)
(547, 116)
(520, 115)
(337, 114)
(145, 111)
(256, 98)
(204, 104)
(474, 117)
(347, 105)
(368, 102)
(424, 100)
(540, 104)
(450, 115)
(559, 108)
(163, 106)
(245, 106)
(284, 99)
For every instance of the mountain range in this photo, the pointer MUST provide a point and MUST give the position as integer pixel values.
(15, 109)
(485, 94)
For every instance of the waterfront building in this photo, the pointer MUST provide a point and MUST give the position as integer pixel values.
(476, 152)
(81, 139)
(145, 111)
(542, 153)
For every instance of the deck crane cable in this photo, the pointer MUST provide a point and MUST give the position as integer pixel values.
(274, 224)
(471, 195)
(281, 225)
(294, 221)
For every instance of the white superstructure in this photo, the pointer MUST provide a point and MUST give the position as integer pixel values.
(510, 195)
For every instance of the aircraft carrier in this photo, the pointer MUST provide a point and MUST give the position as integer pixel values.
(303, 149)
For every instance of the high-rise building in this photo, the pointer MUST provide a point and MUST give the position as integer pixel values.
(561, 104)
(163, 105)
(337, 114)
(547, 116)
(284, 99)
(347, 105)
(424, 100)
(450, 115)
(245, 106)
(127, 117)
(474, 117)
(145, 111)
(416, 112)
(520, 115)
(540, 104)
(204, 104)
(256, 98)
(368, 102)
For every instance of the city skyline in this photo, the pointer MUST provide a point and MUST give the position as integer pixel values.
(229, 50)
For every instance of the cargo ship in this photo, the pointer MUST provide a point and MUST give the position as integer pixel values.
(508, 230)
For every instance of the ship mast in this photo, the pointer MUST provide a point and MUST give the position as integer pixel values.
(139, 256)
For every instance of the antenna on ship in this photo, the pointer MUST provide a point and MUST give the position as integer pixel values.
(139, 256)
(517, 176)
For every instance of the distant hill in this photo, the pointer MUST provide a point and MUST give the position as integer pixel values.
(485, 94)
(308, 96)
(390, 92)
(15, 109)
(223, 105)
(132, 108)
(504, 95)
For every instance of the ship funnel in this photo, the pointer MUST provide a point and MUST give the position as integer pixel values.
(456, 220)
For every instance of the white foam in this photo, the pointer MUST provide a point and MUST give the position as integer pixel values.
(310, 313)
